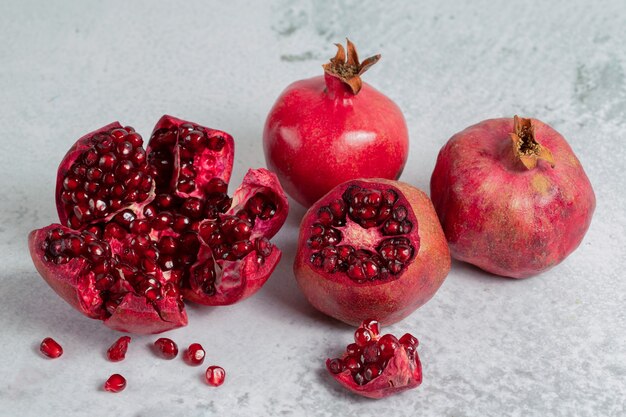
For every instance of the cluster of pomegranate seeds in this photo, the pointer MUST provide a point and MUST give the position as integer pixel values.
(115, 383)
(370, 353)
(192, 142)
(117, 351)
(166, 348)
(215, 375)
(194, 355)
(110, 174)
(50, 348)
(362, 208)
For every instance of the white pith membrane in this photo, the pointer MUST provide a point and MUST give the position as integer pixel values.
(364, 234)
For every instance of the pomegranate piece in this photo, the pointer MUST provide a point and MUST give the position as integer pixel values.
(50, 348)
(115, 383)
(512, 197)
(143, 230)
(215, 376)
(194, 355)
(117, 351)
(380, 367)
(371, 248)
(166, 348)
(329, 129)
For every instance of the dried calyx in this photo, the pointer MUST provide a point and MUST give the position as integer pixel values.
(526, 147)
(347, 68)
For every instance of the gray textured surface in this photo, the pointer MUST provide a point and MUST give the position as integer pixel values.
(553, 345)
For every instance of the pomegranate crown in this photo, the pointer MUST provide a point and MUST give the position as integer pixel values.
(526, 147)
(347, 67)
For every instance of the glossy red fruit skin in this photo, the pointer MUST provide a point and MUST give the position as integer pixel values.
(500, 216)
(319, 134)
(338, 296)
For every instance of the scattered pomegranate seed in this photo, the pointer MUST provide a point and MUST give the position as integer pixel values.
(194, 355)
(166, 348)
(215, 376)
(117, 351)
(51, 348)
(115, 383)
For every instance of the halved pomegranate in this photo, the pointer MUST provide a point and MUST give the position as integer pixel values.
(371, 248)
(377, 366)
(134, 238)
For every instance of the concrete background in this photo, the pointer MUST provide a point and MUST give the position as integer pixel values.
(553, 345)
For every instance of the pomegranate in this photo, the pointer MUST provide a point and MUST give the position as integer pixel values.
(115, 383)
(143, 230)
(215, 376)
(329, 129)
(194, 355)
(166, 348)
(371, 248)
(377, 366)
(512, 197)
(117, 351)
(50, 348)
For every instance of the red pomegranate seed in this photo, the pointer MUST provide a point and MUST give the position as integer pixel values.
(373, 326)
(117, 351)
(166, 348)
(362, 336)
(388, 345)
(51, 348)
(335, 365)
(215, 376)
(194, 355)
(115, 383)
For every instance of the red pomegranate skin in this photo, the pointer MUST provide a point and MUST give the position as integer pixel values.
(338, 296)
(501, 216)
(320, 134)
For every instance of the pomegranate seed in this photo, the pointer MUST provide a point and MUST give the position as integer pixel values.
(372, 325)
(117, 351)
(51, 348)
(194, 355)
(388, 345)
(115, 383)
(335, 366)
(371, 353)
(352, 363)
(409, 341)
(363, 336)
(215, 376)
(166, 348)
(371, 371)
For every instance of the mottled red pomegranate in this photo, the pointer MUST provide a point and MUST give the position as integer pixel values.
(377, 366)
(141, 231)
(512, 197)
(371, 248)
(328, 129)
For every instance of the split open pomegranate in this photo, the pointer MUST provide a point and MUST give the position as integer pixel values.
(143, 230)
(377, 366)
(371, 248)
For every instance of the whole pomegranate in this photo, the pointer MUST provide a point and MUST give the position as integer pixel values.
(142, 230)
(328, 129)
(371, 248)
(376, 366)
(512, 197)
